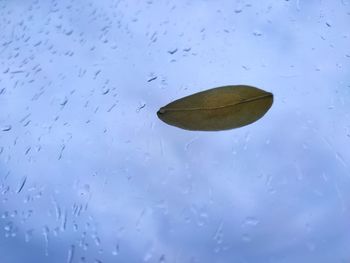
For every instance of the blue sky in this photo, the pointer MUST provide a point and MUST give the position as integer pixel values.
(106, 181)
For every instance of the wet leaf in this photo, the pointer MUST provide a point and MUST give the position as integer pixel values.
(217, 109)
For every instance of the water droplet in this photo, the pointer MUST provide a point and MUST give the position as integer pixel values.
(5, 215)
(152, 78)
(46, 231)
(13, 213)
(141, 106)
(105, 91)
(96, 240)
(85, 190)
(172, 51)
(251, 221)
(64, 102)
(24, 180)
(257, 33)
(70, 256)
(115, 251)
(162, 259)
(218, 236)
(61, 152)
(112, 107)
(10, 229)
(68, 33)
(6, 128)
(28, 235)
(85, 246)
(64, 222)
(8, 226)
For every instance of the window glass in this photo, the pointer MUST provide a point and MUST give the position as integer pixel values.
(88, 173)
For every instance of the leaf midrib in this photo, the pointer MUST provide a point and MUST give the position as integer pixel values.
(221, 107)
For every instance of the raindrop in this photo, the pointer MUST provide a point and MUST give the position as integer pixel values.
(57, 209)
(56, 231)
(246, 238)
(140, 107)
(26, 123)
(172, 51)
(46, 239)
(105, 90)
(71, 254)
(61, 152)
(251, 221)
(85, 189)
(6, 128)
(112, 107)
(28, 235)
(68, 33)
(257, 33)
(85, 246)
(28, 150)
(115, 251)
(14, 213)
(154, 37)
(5, 215)
(96, 240)
(218, 237)
(203, 218)
(162, 259)
(152, 78)
(10, 230)
(64, 221)
(64, 102)
(24, 180)
(97, 73)
(8, 226)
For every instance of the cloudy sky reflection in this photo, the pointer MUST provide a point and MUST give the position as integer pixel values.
(88, 173)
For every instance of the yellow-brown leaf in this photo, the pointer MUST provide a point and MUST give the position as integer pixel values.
(217, 109)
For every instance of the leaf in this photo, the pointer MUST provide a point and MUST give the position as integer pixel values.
(217, 109)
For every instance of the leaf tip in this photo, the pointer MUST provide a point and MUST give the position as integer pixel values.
(160, 112)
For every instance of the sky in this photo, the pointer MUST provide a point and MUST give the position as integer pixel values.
(88, 173)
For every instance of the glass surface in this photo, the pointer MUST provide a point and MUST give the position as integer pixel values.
(88, 173)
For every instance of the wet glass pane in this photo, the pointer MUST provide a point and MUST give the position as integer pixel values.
(88, 173)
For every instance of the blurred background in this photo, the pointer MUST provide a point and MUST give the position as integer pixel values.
(88, 173)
